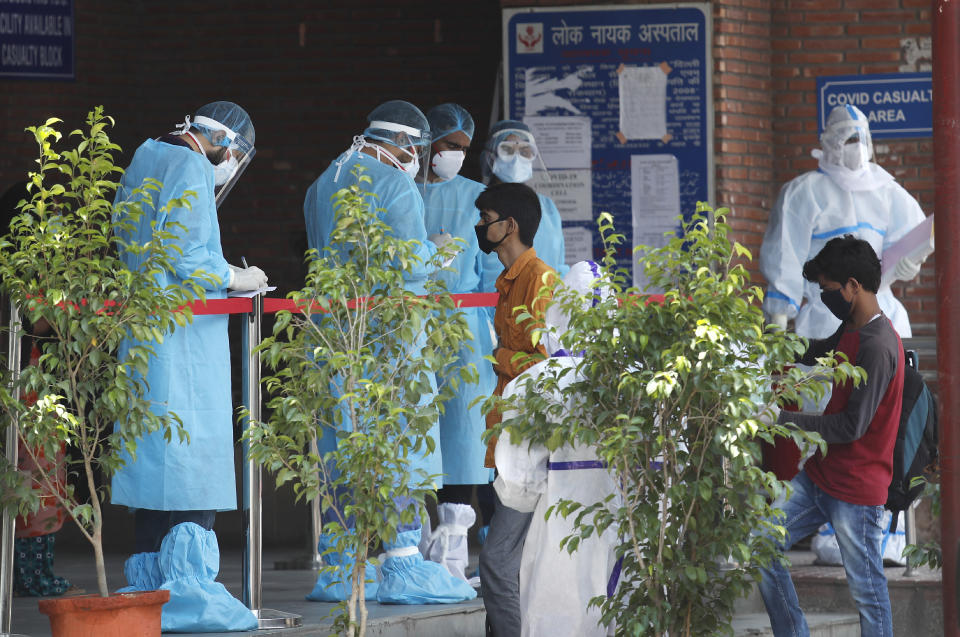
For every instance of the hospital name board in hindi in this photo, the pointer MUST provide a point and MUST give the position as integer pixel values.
(623, 33)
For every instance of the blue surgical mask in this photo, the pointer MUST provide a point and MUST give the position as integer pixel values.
(839, 306)
(513, 171)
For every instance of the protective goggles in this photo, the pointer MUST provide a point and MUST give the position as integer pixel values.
(507, 149)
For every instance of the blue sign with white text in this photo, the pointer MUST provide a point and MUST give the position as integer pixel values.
(36, 39)
(897, 104)
(619, 100)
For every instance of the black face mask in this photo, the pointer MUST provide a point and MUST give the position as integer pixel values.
(486, 245)
(835, 302)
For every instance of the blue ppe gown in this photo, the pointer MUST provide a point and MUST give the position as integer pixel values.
(450, 208)
(812, 209)
(189, 373)
(402, 209)
(189, 562)
(548, 242)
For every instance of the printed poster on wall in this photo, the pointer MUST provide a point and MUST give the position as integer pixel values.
(619, 100)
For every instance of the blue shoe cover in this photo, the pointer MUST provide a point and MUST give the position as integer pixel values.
(142, 571)
(409, 579)
(189, 561)
(334, 586)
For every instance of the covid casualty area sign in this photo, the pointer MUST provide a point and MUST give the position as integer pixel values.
(619, 100)
(897, 104)
(36, 39)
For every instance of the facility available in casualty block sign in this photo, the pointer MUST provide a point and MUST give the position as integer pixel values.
(36, 39)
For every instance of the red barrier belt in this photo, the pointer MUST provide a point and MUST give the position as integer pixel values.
(242, 305)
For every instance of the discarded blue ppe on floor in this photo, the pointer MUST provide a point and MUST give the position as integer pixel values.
(142, 571)
(189, 562)
(334, 585)
(410, 579)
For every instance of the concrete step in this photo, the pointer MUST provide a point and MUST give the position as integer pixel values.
(820, 624)
(915, 601)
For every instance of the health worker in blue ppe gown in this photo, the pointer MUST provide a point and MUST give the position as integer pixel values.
(847, 194)
(177, 487)
(450, 213)
(389, 151)
(509, 157)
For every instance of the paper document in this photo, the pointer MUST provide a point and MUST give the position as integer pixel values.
(915, 245)
(249, 294)
(643, 102)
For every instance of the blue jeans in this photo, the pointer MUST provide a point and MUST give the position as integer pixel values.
(859, 535)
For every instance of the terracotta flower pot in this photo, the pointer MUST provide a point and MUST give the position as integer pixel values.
(123, 615)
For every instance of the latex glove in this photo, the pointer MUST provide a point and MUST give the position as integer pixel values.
(441, 239)
(246, 279)
(769, 415)
(906, 269)
(780, 320)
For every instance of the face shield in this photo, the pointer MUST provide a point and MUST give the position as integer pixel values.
(234, 158)
(846, 139)
(413, 144)
(511, 155)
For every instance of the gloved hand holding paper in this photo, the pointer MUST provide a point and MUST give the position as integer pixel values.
(252, 278)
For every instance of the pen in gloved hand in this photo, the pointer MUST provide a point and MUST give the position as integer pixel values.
(243, 260)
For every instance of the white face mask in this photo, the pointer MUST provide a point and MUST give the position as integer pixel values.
(855, 156)
(411, 167)
(513, 171)
(447, 163)
(224, 170)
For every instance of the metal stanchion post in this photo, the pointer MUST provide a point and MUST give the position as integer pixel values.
(10, 447)
(910, 534)
(316, 522)
(252, 555)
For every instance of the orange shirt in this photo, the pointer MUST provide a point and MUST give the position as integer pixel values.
(517, 286)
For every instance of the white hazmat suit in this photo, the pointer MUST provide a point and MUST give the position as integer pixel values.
(556, 586)
(847, 194)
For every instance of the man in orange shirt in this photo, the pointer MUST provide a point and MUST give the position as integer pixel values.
(509, 218)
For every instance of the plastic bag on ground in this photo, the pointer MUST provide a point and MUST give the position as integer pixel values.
(824, 544)
(448, 543)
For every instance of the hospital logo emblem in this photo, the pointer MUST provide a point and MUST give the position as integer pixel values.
(530, 37)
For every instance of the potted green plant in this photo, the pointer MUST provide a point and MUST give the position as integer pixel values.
(354, 369)
(59, 264)
(674, 396)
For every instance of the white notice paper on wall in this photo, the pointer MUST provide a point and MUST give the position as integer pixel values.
(571, 190)
(643, 102)
(563, 142)
(655, 197)
(578, 243)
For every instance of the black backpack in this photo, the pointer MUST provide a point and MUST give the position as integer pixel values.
(915, 453)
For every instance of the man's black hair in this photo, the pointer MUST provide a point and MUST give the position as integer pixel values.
(844, 258)
(514, 200)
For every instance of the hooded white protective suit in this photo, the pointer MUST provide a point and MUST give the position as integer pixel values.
(847, 194)
(555, 586)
